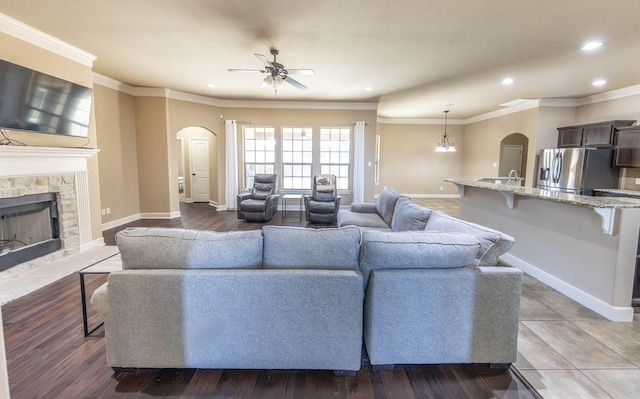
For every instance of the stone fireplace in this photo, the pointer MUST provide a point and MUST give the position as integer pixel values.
(56, 173)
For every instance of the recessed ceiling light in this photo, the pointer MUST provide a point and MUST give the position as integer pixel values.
(507, 81)
(368, 88)
(211, 86)
(599, 82)
(591, 45)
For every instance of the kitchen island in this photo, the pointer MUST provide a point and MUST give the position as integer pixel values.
(583, 246)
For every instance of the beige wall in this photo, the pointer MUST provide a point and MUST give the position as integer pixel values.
(482, 143)
(409, 163)
(116, 129)
(22, 53)
(153, 155)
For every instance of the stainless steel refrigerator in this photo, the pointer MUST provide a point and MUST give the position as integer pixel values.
(577, 170)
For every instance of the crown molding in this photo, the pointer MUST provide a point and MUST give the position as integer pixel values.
(502, 112)
(559, 102)
(38, 38)
(113, 84)
(194, 98)
(408, 121)
(610, 95)
(350, 106)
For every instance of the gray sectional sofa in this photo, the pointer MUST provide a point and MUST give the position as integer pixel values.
(296, 298)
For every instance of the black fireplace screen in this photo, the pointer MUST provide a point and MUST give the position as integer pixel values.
(28, 228)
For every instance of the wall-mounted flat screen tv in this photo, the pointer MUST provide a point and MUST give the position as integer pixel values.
(37, 102)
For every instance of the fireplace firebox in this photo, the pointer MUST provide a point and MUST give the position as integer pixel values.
(29, 228)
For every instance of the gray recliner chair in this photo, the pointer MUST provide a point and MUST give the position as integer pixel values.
(324, 202)
(262, 202)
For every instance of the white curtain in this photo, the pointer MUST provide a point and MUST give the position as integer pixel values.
(231, 164)
(358, 162)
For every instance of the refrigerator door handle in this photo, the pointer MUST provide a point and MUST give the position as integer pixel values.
(559, 168)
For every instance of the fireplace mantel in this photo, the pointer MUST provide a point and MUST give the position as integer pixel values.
(18, 161)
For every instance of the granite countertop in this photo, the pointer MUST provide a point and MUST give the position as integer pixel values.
(575, 199)
(630, 193)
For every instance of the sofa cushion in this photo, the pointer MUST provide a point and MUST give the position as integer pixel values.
(165, 248)
(493, 243)
(361, 219)
(415, 250)
(409, 216)
(386, 204)
(301, 248)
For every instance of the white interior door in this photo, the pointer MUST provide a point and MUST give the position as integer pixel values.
(511, 159)
(199, 156)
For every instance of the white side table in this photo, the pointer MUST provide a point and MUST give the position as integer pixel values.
(287, 197)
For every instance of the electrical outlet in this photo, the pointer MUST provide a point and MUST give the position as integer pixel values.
(441, 188)
(104, 212)
(638, 181)
(108, 211)
(495, 164)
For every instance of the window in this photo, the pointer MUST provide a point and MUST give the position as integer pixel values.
(297, 158)
(259, 152)
(335, 154)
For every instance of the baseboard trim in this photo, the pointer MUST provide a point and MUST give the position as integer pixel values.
(213, 204)
(160, 215)
(120, 222)
(92, 244)
(613, 313)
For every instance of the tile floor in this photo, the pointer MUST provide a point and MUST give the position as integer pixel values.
(564, 349)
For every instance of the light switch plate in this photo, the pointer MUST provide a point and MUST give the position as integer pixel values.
(637, 181)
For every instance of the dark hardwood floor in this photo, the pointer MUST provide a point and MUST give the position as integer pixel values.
(48, 356)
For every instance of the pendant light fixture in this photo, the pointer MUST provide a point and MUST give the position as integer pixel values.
(444, 145)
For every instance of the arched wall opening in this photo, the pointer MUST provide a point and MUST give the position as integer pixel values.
(513, 154)
(197, 153)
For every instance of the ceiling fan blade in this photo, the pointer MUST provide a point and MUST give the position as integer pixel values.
(264, 60)
(294, 83)
(246, 70)
(300, 72)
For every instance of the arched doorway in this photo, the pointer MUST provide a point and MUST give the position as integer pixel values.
(197, 165)
(513, 154)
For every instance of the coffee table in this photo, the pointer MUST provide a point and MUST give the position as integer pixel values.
(104, 267)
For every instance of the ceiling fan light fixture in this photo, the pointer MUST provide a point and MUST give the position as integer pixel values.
(444, 145)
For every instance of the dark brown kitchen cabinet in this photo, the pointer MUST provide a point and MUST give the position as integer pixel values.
(600, 134)
(627, 149)
(569, 137)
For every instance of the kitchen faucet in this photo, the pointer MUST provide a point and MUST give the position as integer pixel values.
(513, 175)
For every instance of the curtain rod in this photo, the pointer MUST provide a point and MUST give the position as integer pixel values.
(240, 122)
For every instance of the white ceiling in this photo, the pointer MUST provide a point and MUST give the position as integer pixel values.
(417, 54)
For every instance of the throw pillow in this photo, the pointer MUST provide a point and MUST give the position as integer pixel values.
(409, 216)
(493, 243)
(386, 204)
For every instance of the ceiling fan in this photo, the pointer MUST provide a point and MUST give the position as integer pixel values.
(278, 74)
